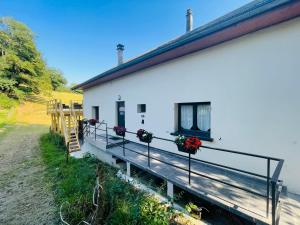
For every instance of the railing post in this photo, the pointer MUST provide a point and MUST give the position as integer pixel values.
(268, 187)
(95, 132)
(67, 153)
(83, 132)
(148, 154)
(123, 145)
(106, 134)
(274, 205)
(189, 168)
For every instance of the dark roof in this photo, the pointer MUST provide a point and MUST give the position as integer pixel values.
(244, 13)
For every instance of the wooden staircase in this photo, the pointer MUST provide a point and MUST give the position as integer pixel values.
(65, 121)
(72, 129)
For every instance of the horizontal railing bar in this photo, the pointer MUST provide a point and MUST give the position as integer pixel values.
(101, 129)
(164, 139)
(235, 186)
(139, 153)
(221, 149)
(207, 162)
(240, 153)
(199, 174)
(275, 174)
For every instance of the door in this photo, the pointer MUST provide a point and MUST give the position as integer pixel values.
(95, 112)
(121, 113)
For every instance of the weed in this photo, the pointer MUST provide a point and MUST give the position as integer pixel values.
(119, 202)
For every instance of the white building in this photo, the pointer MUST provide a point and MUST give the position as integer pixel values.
(233, 82)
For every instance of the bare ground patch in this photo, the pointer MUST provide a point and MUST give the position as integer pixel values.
(24, 195)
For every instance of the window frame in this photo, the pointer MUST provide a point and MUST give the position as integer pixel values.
(95, 112)
(205, 135)
(139, 108)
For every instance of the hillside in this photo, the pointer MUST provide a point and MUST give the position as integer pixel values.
(33, 109)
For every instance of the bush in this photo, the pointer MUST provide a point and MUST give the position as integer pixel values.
(6, 102)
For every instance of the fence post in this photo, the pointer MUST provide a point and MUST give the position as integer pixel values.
(273, 202)
(123, 145)
(189, 168)
(95, 132)
(106, 134)
(268, 186)
(67, 153)
(83, 132)
(148, 154)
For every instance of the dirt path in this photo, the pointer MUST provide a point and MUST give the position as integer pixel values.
(24, 196)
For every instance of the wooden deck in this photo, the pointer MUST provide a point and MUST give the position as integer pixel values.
(244, 204)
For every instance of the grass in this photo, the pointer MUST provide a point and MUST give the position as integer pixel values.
(119, 201)
(32, 110)
(7, 112)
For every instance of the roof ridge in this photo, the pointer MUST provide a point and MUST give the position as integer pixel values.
(251, 9)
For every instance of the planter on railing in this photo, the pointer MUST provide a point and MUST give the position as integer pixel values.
(120, 131)
(93, 122)
(144, 136)
(188, 145)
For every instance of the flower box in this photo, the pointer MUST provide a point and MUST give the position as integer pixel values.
(188, 145)
(120, 131)
(93, 122)
(144, 136)
(190, 151)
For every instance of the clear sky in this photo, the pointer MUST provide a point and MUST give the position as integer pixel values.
(79, 37)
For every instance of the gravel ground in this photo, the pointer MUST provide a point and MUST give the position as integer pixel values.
(25, 197)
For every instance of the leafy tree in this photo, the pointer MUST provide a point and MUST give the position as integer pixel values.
(22, 68)
(57, 79)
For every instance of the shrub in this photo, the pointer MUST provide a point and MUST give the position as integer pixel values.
(119, 202)
(6, 102)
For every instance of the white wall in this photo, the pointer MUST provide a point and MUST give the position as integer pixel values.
(253, 84)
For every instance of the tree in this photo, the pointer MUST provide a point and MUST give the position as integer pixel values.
(22, 69)
(57, 79)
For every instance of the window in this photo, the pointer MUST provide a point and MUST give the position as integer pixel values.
(194, 119)
(141, 108)
(95, 112)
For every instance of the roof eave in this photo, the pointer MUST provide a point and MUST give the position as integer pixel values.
(264, 20)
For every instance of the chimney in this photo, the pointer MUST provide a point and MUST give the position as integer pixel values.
(189, 20)
(120, 49)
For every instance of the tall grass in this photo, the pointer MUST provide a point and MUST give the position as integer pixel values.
(120, 202)
(7, 110)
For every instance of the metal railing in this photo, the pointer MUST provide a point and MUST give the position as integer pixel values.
(273, 184)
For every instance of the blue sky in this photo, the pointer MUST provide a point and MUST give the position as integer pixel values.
(79, 37)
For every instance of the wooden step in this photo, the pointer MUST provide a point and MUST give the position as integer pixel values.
(73, 146)
(74, 150)
(73, 143)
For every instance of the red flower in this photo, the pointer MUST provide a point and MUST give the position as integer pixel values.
(192, 143)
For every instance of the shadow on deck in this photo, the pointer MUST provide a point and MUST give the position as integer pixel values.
(249, 195)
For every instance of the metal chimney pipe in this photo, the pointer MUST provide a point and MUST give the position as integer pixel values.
(120, 49)
(189, 20)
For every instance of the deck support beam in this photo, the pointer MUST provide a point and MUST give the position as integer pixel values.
(128, 173)
(170, 189)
